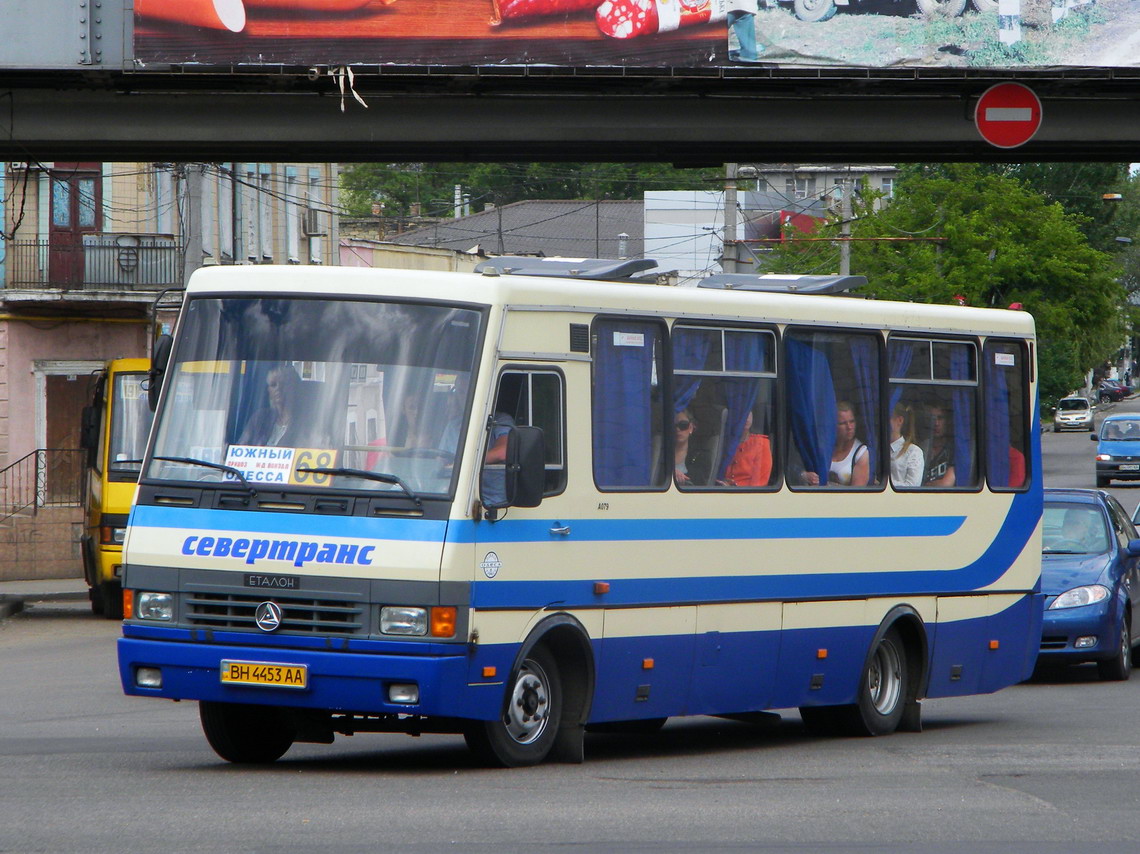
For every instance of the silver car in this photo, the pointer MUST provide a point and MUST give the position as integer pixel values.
(1073, 413)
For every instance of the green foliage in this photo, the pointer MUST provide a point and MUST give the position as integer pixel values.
(987, 238)
(431, 186)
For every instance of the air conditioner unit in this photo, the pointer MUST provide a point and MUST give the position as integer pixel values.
(312, 222)
(18, 165)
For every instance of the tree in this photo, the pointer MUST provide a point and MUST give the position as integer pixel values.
(431, 186)
(987, 239)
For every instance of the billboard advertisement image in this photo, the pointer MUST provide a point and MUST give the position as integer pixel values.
(877, 34)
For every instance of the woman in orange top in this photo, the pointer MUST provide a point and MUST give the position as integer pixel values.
(752, 463)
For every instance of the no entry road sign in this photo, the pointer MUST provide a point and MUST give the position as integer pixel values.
(1008, 115)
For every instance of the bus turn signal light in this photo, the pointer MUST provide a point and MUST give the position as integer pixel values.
(443, 622)
(128, 603)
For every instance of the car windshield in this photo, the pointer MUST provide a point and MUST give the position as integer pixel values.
(274, 388)
(1070, 528)
(1073, 404)
(1121, 430)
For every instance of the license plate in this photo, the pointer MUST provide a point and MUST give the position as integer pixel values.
(1130, 467)
(265, 673)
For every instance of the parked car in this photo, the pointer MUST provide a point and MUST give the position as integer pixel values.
(1118, 448)
(1073, 413)
(1111, 391)
(1090, 575)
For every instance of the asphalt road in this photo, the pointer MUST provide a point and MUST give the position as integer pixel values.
(1049, 766)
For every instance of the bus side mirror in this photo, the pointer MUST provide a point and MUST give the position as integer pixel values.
(526, 466)
(89, 433)
(157, 372)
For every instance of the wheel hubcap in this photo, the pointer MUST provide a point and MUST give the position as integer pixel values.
(884, 678)
(529, 708)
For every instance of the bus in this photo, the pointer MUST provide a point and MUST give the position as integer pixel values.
(114, 432)
(521, 507)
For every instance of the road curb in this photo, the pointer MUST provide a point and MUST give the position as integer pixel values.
(13, 603)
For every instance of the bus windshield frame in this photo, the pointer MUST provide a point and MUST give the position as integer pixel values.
(264, 390)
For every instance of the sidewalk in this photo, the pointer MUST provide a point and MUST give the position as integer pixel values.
(13, 594)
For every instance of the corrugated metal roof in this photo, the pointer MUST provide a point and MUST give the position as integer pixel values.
(571, 229)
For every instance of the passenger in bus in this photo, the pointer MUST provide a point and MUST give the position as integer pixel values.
(850, 463)
(907, 461)
(752, 463)
(280, 422)
(493, 486)
(1016, 468)
(940, 454)
(691, 466)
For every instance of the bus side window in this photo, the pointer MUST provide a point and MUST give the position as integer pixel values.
(627, 415)
(535, 399)
(1006, 411)
(724, 388)
(938, 382)
(832, 386)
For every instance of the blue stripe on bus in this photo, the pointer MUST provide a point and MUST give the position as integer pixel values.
(307, 525)
(1007, 545)
(465, 531)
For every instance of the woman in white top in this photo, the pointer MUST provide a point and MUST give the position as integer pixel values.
(850, 465)
(907, 460)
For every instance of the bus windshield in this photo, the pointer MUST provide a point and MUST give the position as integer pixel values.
(316, 393)
(130, 423)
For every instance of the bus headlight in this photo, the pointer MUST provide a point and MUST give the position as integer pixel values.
(109, 536)
(403, 620)
(155, 606)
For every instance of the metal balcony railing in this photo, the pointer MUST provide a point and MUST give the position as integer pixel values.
(102, 262)
(47, 477)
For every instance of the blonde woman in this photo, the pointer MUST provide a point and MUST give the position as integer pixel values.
(907, 461)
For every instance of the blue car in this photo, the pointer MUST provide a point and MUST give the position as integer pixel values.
(1118, 448)
(1090, 575)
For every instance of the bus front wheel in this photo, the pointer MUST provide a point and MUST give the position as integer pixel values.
(529, 724)
(246, 734)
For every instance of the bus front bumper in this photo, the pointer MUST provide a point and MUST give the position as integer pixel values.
(339, 681)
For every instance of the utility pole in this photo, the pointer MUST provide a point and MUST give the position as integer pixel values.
(845, 231)
(728, 255)
(191, 237)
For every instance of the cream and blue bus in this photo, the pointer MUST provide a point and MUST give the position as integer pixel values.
(521, 507)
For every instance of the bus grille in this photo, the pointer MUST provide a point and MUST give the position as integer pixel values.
(299, 615)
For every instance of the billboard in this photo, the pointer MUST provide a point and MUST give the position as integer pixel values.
(876, 34)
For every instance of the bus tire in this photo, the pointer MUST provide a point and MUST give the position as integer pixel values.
(883, 688)
(246, 734)
(98, 604)
(111, 592)
(531, 716)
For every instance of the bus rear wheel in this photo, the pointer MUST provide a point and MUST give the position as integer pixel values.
(883, 688)
(246, 734)
(529, 725)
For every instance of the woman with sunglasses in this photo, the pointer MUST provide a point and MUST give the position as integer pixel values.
(691, 466)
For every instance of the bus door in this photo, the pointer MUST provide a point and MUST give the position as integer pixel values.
(527, 559)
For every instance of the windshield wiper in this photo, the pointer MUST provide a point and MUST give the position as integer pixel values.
(117, 463)
(382, 477)
(211, 465)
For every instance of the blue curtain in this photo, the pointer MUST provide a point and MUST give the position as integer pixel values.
(690, 353)
(811, 405)
(997, 420)
(865, 356)
(622, 408)
(900, 354)
(963, 416)
(743, 352)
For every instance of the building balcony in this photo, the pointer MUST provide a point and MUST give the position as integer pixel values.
(102, 262)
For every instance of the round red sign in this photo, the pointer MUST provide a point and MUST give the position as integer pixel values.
(1008, 115)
